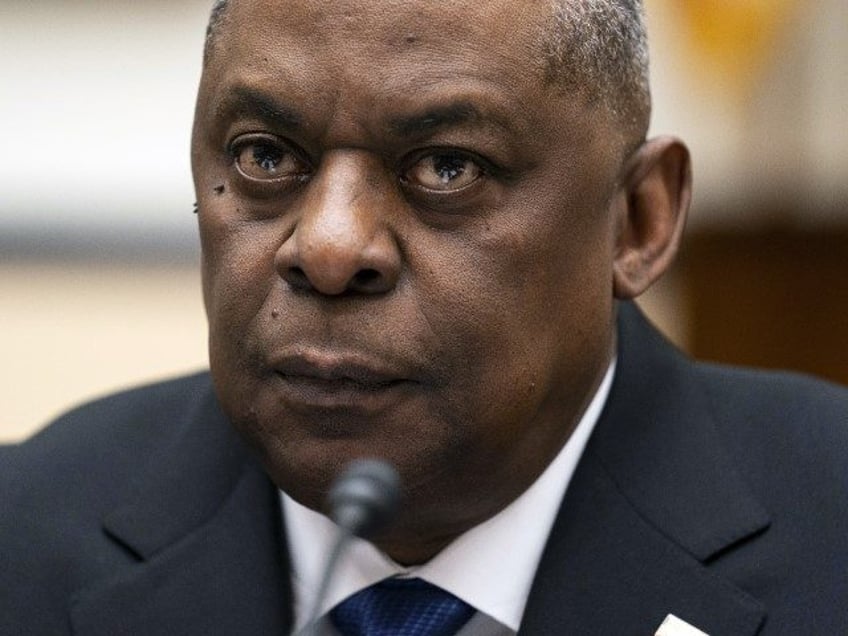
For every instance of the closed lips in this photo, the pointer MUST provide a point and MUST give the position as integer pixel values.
(343, 374)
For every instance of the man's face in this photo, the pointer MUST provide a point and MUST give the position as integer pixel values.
(407, 248)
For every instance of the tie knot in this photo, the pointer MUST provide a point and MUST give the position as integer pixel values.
(401, 607)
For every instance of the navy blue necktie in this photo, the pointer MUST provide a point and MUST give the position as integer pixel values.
(401, 607)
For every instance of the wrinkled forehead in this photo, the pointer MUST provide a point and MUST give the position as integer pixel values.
(364, 32)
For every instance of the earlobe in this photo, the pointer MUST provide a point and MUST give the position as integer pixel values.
(650, 209)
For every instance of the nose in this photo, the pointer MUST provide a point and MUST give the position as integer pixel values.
(342, 242)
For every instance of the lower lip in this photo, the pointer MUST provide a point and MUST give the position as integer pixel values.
(305, 392)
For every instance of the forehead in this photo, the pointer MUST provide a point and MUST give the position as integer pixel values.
(386, 40)
(373, 57)
(499, 23)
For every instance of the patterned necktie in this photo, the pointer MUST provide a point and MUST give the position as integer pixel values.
(401, 607)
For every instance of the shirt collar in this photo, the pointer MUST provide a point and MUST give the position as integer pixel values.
(473, 566)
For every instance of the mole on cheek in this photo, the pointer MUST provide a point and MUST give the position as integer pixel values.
(219, 189)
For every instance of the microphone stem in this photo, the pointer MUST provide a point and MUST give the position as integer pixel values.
(342, 541)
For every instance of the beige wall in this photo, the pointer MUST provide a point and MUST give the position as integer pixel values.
(72, 331)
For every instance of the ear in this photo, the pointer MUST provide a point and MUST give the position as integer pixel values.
(651, 209)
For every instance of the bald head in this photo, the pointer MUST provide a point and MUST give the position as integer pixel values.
(594, 48)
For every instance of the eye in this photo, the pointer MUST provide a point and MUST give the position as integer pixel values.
(267, 158)
(444, 172)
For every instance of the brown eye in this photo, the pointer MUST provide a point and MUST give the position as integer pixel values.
(444, 172)
(267, 159)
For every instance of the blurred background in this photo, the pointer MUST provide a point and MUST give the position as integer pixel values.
(99, 281)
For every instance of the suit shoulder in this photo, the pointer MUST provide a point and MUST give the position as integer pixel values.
(146, 404)
(103, 438)
(788, 398)
(788, 436)
(788, 433)
(57, 487)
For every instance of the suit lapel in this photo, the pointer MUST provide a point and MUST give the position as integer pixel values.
(205, 528)
(607, 570)
(654, 499)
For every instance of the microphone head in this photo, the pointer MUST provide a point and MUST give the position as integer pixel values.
(364, 496)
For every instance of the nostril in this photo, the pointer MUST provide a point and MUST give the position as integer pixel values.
(297, 278)
(366, 278)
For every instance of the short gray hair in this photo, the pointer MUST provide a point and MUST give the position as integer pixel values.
(216, 16)
(597, 48)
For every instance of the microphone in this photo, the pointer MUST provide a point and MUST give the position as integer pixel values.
(362, 499)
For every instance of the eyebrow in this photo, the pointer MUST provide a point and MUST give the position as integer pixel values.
(246, 100)
(432, 119)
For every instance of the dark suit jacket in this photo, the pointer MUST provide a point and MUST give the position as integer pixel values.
(718, 495)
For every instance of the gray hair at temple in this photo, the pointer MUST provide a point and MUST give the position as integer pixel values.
(599, 48)
(595, 48)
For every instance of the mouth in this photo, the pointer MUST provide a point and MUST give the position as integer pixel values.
(331, 382)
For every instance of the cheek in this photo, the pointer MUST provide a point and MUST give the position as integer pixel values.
(526, 311)
(238, 274)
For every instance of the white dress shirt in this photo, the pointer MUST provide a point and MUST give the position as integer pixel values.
(491, 566)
